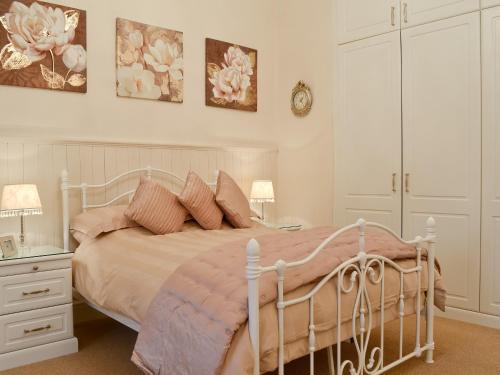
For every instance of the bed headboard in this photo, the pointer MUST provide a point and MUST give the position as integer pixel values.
(86, 188)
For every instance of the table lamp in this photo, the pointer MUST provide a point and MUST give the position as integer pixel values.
(20, 200)
(262, 192)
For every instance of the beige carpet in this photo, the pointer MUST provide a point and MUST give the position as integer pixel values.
(105, 348)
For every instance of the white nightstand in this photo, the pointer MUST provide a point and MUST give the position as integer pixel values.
(36, 309)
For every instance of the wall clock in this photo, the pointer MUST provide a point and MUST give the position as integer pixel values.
(301, 100)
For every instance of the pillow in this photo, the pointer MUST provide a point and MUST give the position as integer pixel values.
(156, 208)
(90, 224)
(232, 201)
(199, 199)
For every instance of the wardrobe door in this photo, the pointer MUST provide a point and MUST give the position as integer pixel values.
(442, 146)
(490, 270)
(415, 12)
(357, 19)
(489, 3)
(368, 132)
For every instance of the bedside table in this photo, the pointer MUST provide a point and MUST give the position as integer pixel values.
(36, 309)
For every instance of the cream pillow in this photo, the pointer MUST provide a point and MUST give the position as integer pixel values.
(90, 224)
(199, 200)
(156, 208)
(232, 201)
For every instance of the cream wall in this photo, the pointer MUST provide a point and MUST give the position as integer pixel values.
(305, 160)
(101, 115)
(294, 40)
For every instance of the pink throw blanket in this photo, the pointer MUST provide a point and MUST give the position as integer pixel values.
(191, 322)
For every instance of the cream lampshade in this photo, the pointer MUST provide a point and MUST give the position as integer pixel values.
(262, 192)
(20, 200)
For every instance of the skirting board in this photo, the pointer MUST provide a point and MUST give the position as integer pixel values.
(473, 317)
(38, 353)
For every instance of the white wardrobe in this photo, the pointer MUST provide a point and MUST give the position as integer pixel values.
(409, 137)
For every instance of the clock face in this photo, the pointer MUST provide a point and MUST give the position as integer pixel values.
(300, 100)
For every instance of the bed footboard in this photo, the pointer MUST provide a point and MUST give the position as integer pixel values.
(360, 270)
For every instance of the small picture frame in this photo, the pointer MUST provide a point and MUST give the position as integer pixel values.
(8, 246)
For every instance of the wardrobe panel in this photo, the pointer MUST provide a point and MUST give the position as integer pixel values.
(490, 280)
(358, 19)
(416, 12)
(368, 131)
(442, 146)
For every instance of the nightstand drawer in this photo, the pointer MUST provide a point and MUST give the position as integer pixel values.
(34, 266)
(35, 290)
(37, 327)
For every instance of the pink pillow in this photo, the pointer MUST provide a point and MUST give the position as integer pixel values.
(199, 199)
(233, 202)
(156, 208)
(90, 224)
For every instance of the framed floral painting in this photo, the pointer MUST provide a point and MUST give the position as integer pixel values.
(149, 62)
(43, 45)
(230, 76)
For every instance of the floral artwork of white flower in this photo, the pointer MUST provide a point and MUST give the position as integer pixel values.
(37, 30)
(75, 58)
(134, 81)
(136, 39)
(230, 84)
(165, 57)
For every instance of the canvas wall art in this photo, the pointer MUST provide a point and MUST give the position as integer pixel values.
(231, 76)
(43, 45)
(149, 62)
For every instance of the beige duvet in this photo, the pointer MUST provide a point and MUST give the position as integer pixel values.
(124, 270)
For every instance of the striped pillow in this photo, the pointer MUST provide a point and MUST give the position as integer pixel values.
(199, 199)
(233, 201)
(156, 208)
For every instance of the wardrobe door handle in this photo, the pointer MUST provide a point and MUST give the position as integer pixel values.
(407, 182)
(405, 12)
(393, 16)
(394, 182)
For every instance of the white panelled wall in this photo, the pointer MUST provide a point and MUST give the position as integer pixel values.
(427, 94)
(41, 163)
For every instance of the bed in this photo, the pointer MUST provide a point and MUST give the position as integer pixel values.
(121, 273)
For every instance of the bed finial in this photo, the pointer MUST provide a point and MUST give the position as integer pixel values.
(431, 226)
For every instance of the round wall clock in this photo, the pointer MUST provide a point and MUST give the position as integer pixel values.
(301, 101)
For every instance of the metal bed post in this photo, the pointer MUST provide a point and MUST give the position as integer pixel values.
(431, 240)
(253, 273)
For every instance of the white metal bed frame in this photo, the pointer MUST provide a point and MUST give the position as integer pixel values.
(361, 270)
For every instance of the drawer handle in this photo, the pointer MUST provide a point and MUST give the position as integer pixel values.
(36, 292)
(47, 327)
(35, 268)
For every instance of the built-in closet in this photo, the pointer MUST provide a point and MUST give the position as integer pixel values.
(410, 141)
